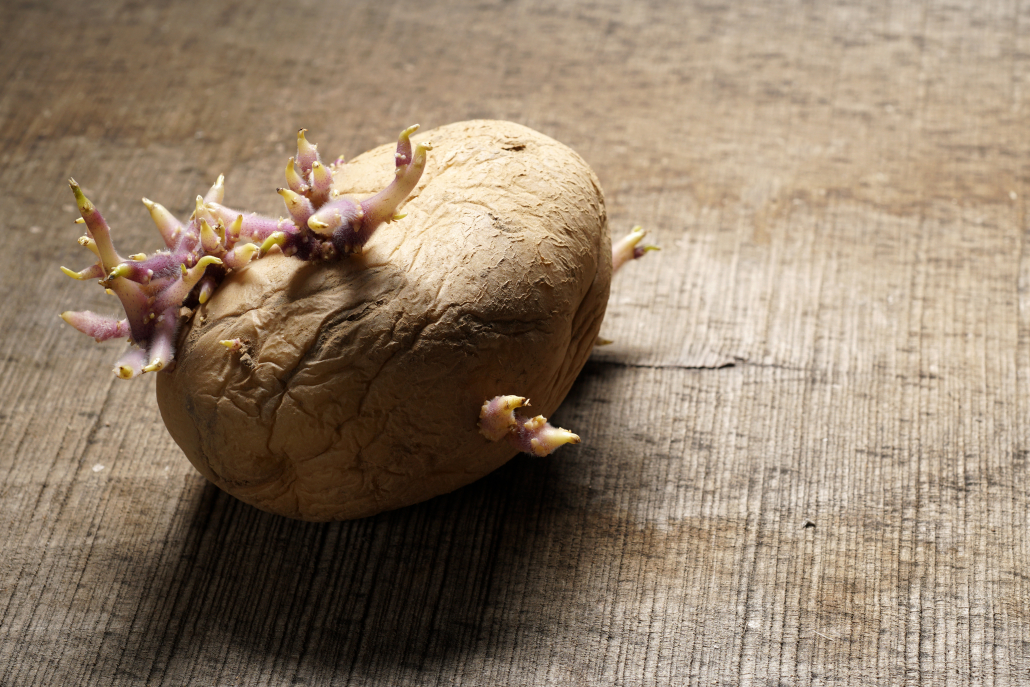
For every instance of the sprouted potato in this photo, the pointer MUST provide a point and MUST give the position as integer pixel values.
(378, 345)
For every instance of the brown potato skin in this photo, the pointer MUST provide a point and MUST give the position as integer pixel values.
(361, 384)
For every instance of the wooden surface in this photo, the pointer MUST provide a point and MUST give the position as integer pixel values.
(804, 457)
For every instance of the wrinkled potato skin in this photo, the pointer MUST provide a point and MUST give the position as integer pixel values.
(361, 384)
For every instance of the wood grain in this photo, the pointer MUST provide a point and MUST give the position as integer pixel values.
(804, 456)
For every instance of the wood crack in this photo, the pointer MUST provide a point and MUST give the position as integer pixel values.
(721, 365)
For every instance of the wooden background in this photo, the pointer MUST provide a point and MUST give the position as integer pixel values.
(804, 457)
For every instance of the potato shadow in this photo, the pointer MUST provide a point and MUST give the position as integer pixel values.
(404, 590)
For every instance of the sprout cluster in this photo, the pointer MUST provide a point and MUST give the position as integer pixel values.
(153, 289)
(497, 420)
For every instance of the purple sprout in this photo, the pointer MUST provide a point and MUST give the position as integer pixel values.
(497, 420)
(628, 248)
(154, 289)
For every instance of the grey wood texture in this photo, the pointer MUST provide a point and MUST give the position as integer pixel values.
(805, 453)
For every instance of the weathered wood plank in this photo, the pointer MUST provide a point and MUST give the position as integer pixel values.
(805, 453)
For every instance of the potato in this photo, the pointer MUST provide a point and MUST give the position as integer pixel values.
(356, 385)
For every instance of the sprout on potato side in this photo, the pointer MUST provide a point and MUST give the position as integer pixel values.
(158, 291)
